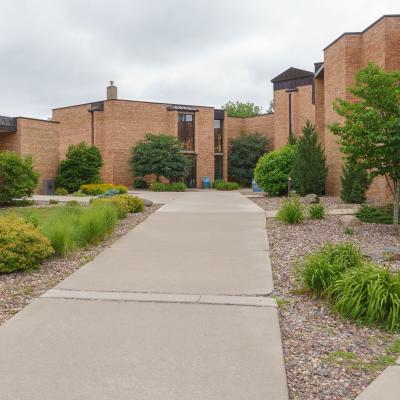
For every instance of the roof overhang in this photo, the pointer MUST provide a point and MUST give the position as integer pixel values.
(8, 124)
(177, 107)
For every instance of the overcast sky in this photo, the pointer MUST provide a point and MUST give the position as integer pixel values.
(57, 53)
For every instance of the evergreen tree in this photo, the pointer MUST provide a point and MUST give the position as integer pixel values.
(309, 169)
(292, 140)
(355, 182)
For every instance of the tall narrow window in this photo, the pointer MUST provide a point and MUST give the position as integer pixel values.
(218, 136)
(186, 130)
(218, 163)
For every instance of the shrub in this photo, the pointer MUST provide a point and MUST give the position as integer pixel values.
(217, 182)
(22, 203)
(244, 152)
(319, 270)
(140, 183)
(22, 246)
(348, 230)
(121, 205)
(135, 204)
(18, 179)
(53, 201)
(369, 294)
(273, 169)
(317, 211)
(95, 189)
(160, 155)
(309, 165)
(291, 211)
(78, 194)
(168, 187)
(81, 166)
(376, 215)
(355, 182)
(222, 185)
(61, 191)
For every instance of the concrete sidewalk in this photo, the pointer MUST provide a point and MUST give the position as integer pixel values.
(173, 310)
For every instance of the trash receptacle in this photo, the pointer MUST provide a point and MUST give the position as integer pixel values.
(206, 183)
(49, 186)
(255, 187)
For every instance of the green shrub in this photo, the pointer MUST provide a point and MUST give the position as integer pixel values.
(370, 294)
(309, 165)
(22, 203)
(376, 215)
(18, 179)
(124, 204)
(317, 211)
(319, 270)
(81, 166)
(22, 246)
(72, 203)
(61, 191)
(97, 223)
(217, 182)
(244, 152)
(291, 211)
(222, 185)
(78, 194)
(135, 204)
(95, 189)
(273, 169)
(53, 201)
(168, 187)
(140, 183)
(348, 230)
(355, 182)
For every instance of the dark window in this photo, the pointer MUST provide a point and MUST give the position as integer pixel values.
(186, 130)
(218, 164)
(190, 179)
(218, 136)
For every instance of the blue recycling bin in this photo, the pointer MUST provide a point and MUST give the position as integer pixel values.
(255, 187)
(206, 182)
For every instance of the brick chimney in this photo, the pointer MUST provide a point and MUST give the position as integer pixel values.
(112, 91)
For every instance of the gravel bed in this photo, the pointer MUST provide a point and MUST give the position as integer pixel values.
(314, 339)
(18, 289)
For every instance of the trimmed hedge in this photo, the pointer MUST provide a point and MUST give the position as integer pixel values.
(22, 246)
(223, 185)
(95, 189)
(168, 187)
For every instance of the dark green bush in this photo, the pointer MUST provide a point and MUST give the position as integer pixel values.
(140, 183)
(61, 191)
(355, 182)
(291, 211)
(18, 179)
(309, 168)
(319, 270)
(317, 211)
(273, 169)
(81, 166)
(376, 215)
(370, 294)
(223, 185)
(244, 152)
(168, 187)
(53, 201)
(22, 246)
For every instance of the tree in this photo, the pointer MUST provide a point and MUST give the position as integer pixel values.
(273, 169)
(355, 182)
(370, 133)
(18, 179)
(239, 109)
(309, 165)
(81, 166)
(271, 107)
(244, 153)
(160, 155)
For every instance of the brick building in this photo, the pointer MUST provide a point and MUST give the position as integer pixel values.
(115, 125)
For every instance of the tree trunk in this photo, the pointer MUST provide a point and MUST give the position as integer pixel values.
(396, 205)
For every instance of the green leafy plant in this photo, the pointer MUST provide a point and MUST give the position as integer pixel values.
(370, 294)
(123, 203)
(140, 183)
(160, 155)
(79, 194)
(18, 179)
(273, 169)
(61, 192)
(95, 189)
(81, 166)
(168, 187)
(309, 168)
(244, 152)
(291, 211)
(319, 270)
(355, 182)
(223, 185)
(376, 215)
(349, 230)
(317, 211)
(241, 109)
(22, 246)
(53, 201)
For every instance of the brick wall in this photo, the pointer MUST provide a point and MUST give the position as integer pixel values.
(10, 141)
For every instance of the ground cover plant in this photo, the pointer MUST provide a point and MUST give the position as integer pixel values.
(95, 189)
(291, 211)
(168, 187)
(220, 184)
(18, 179)
(316, 211)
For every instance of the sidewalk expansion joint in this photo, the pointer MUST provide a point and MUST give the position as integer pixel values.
(204, 299)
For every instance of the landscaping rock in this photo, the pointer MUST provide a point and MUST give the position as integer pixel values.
(350, 221)
(392, 253)
(147, 203)
(311, 199)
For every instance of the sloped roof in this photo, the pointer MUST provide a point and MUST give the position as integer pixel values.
(178, 107)
(292, 73)
(8, 124)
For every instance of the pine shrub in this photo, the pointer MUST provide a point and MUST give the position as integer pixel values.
(355, 182)
(309, 169)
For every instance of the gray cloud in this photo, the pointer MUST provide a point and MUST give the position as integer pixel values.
(62, 52)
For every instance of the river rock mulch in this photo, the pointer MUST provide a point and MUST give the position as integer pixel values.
(18, 289)
(326, 356)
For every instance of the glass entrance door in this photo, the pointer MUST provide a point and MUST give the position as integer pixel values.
(190, 179)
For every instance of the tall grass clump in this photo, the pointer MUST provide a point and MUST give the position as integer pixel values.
(291, 211)
(319, 270)
(317, 211)
(369, 294)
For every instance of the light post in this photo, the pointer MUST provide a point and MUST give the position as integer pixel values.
(289, 186)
